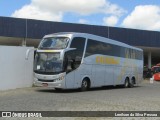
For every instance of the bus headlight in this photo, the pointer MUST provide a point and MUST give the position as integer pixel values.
(61, 77)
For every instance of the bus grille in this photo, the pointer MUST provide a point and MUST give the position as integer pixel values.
(45, 80)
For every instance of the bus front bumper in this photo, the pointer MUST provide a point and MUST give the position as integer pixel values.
(53, 81)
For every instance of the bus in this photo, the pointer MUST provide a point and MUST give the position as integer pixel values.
(71, 60)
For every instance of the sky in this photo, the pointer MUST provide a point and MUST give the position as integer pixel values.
(135, 14)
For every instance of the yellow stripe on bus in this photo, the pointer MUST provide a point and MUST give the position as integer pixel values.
(107, 60)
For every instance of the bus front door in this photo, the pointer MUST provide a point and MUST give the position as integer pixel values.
(70, 79)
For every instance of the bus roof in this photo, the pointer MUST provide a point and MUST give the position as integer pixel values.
(91, 36)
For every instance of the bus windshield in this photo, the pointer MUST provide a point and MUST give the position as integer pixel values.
(48, 63)
(54, 43)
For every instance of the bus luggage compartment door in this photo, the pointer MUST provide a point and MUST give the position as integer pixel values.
(98, 75)
(109, 76)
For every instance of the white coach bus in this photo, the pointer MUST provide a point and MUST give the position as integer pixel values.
(81, 60)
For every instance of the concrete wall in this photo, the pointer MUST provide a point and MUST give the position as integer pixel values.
(16, 71)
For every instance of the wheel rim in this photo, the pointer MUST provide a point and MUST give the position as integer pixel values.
(126, 85)
(84, 84)
(132, 81)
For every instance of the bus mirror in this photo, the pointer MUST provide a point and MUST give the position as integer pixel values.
(27, 53)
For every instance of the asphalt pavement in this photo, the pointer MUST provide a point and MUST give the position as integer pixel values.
(145, 97)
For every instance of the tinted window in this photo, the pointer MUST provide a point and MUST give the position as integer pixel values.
(97, 47)
(73, 58)
(48, 63)
(54, 43)
(78, 43)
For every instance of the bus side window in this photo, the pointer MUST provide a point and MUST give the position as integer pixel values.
(74, 57)
(78, 43)
(68, 61)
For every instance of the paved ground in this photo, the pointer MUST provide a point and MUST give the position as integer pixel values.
(145, 97)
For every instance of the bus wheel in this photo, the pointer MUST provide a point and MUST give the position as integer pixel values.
(85, 85)
(131, 84)
(126, 83)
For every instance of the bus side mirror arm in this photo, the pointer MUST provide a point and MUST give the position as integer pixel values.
(27, 53)
(69, 49)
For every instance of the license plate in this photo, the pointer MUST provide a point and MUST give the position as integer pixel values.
(44, 84)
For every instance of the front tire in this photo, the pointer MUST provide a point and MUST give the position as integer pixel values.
(85, 85)
(126, 83)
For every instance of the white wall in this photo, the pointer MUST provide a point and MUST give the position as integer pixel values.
(15, 70)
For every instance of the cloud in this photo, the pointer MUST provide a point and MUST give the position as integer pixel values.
(54, 10)
(113, 9)
(33, 12)
(143, 17)
(82, 21)
(83, 7)
(110, 21)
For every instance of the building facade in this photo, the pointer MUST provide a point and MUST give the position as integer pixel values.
(16, 31)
